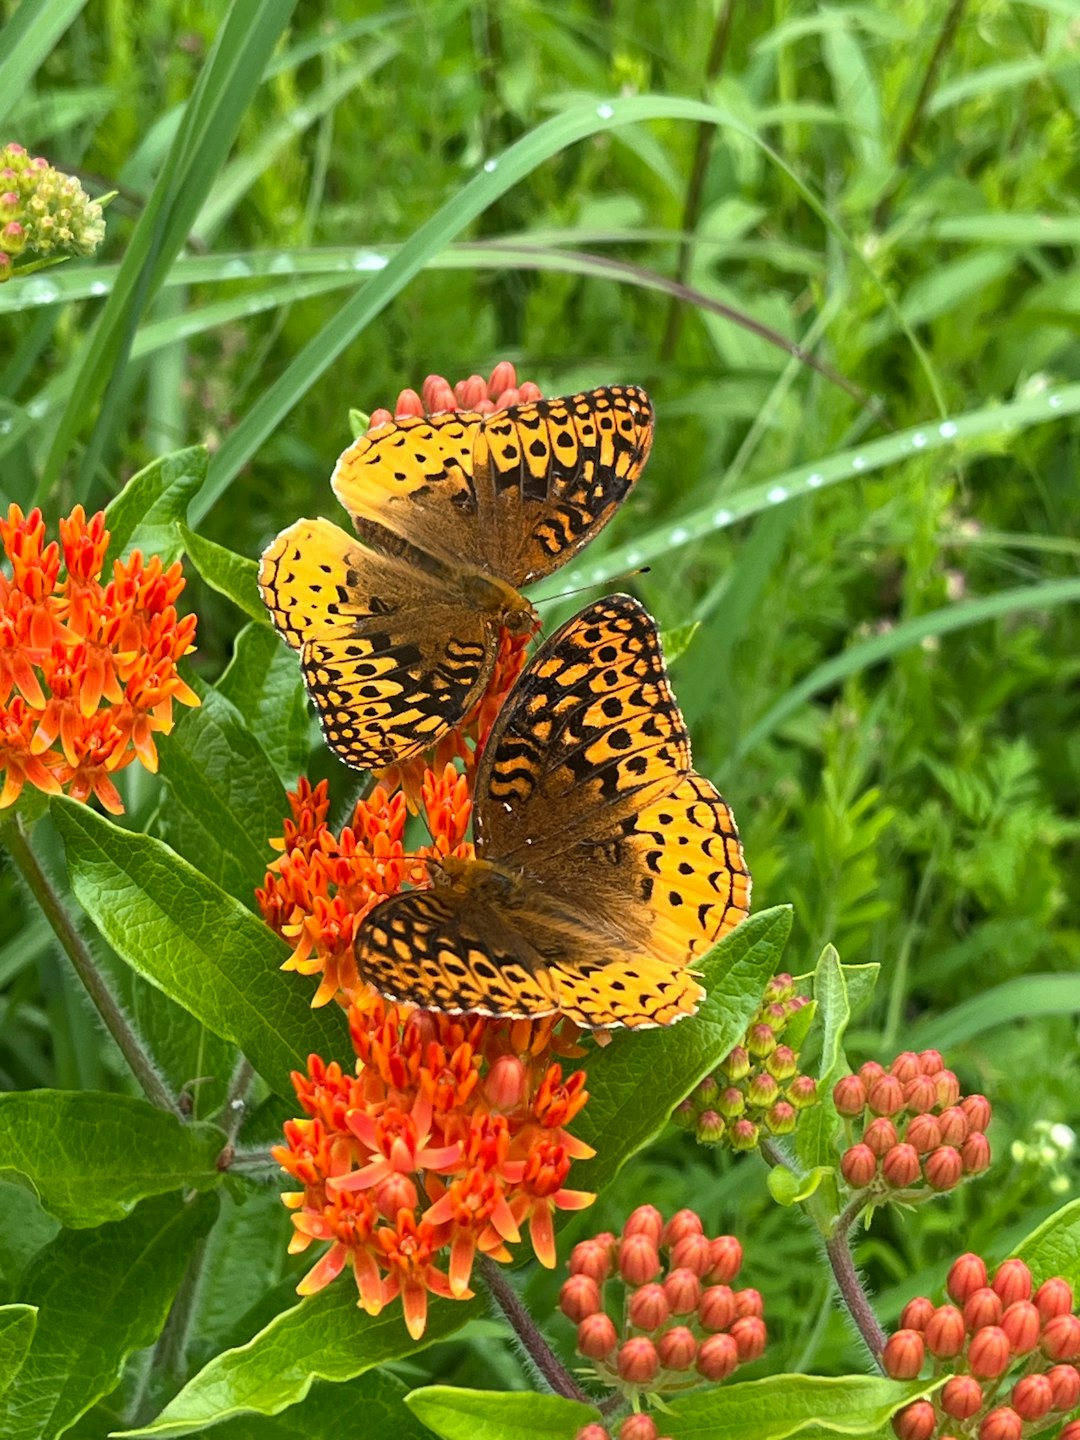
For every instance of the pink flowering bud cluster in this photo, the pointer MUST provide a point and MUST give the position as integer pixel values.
(910, 1132)
(43, 211)
(1007, 1354)
(682, 1320)
(757, 1089)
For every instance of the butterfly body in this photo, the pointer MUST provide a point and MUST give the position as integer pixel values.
(604, 863)
(457, 512)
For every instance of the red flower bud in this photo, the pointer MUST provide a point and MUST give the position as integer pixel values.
(683, 1290)
(900, 1167)
(989, 1353)
(725, 1252)
(717, 1357)
(1002, 1424)
(1071, 1432)
(870, 1071)
(966, 1274)
(976, 1154)
(579, 1297)
(886, 1096)
(596, 1336)
(748, 1302)
(1061, 1338)
(761, 1040)
(904, 1353)
(397, 1192)
(685, 1115)
(849, 1096)
(750, 1337)
(977, 1110)
(591, 1257)
(924, 1132)
(637, 1361)
(692, 1252)
(920, 1095)
(943, 1168)
(638, 1427)
(736, 1064)
(1021, 1323)
(677, 1348)
(743, 1135)
(953, 1126)
(710, 1127)
(915, 1422)
(716, 1309)
(731, 1102)
(592, 1432)
(948, 1088)
(648, 1308)
(916, 1313)
(945, 1332)
(802, 1092)
(880, 1136)
(781, 1118)
(930, 1062)
(1064, 1386)
(1054, 1297)
(683, 1222)
(505, 1084)
(961, 1397)
(905, 1067)
(982, 1307)
(762, 1091)
(1032, 1397)
(783, 1063)
(645, 1220)
(639, 1259)
(858, 1166)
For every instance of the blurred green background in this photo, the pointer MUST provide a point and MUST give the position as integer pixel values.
(895, 188)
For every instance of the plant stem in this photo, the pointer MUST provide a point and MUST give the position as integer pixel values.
(16, 841)
(696, 187)
(528, 1332)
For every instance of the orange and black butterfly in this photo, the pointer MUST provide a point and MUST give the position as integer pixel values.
(604, 865)
(398, 636)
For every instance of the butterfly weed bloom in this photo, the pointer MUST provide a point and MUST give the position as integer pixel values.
(1004, 1354)
(909, 1132)
(43, 211)
(757, 1089)
(87, 664)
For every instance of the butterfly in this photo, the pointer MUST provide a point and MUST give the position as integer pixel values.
(398, 636)
(604, 863)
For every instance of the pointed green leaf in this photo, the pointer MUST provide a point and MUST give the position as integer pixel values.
(817, 1127)
(637, 1080)
(676, 642)
(101, 1294)
(372, 1407)
(458, 1414)
(263, 682)
(232, 575)
(325, 1337)
(1054, 1248)
(196, 943)
(145, 513)
(17, 1326)
(785, 1405)
(91, 1158)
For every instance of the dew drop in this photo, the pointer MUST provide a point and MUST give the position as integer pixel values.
(37, 408)
(918, 440)
(680, 535)
(5, 424)
(605, 111)
(859, 463)
(368, 260)
(814, 480)
(41, 292)
(723, 517)
(490, 166)
(947, 430)
(777, 495)
(1054, 402)
(633, 557)
(99, 288)
(235, 270)
(281, 264)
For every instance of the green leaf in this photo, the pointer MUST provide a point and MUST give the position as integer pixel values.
(784, 1405)
(101, 1294)
(263, 682)
(817, 1127)
(372, 1407)
(25, 42)
(459, 1414)
(1027, 995)
(637, 1080)
(325, 1337)
(196, 943)
(676, 642)
(17, 1326)
(91, 1158)
(788, 1188)
(225, 798)
(1054, 1248)
(145, 512)
(234, 576)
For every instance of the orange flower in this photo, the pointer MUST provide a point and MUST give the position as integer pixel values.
(96, 663)
(498, 392)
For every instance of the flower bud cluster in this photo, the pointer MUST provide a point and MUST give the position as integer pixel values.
(1006, 1351)
(910, 1132)
(757, 1089)
(638, 1426)
(43, 211)
(683, 1321)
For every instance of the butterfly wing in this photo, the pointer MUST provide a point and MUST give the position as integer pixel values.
(389, 657)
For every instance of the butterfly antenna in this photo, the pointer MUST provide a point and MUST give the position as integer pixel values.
(581, 589)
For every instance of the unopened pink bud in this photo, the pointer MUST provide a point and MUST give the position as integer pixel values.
(945, 1332)
(961, 1397)
(638, 1427)
(692, 1252)
(717, 1357)
(503, 377)
(947, 1087)
(648, 1308)
(905, 1067)
(915, 1422)
(900, 1167)
(731, 1102)
(953, 1126)
(1021, 1323)
(716, 1309)
(761, 1040)
(637, 1361)
(920, 1095)
(683, 1222)
(931, 1062)
(1064, 1386)
(591, 1257)
(924, 1132)
(1061, 1338)
(506, 1083)
(748, 1302)
(683, 1290)
(596, 1337)
(849, 1096)
(783, 1063)
(727, 1256)
(645, 1220)
(579, 1297)
(736, 1064)
(677, 1348)
(1001, 1424)
(880, 1136)
(977, 1110)
(762, 1091)
(750, 1338)
(595, 1431)
(943, 1168)
(1054, 1297)
(989, 1353)
(802, 1092)
(916, 1313)
(1012, 1281)
(743, 1135)
(966, 1275)
(904, 1353)
(975, 1154)
(870, 1071)
(396, 1193)
(982, 1307)
(639, 1260)
(858, 1166)
(886, 1096)
(781, 1118)
(711, 1127)
(1032, 1397)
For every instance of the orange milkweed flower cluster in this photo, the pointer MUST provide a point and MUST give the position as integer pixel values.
(87, 666)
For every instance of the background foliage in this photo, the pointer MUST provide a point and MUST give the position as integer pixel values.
(309, 219)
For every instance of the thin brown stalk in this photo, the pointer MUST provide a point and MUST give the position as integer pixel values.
(528, 1332)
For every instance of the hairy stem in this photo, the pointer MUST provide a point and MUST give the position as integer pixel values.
(16, 840)
(528, 1332)
(696, 188)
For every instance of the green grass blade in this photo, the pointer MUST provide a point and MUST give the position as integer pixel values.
(25, 41)
(1026, 995)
